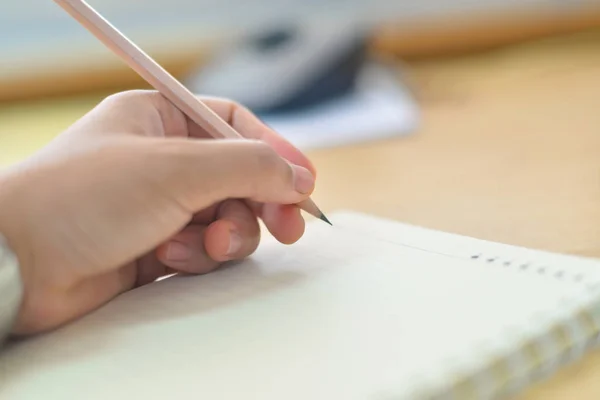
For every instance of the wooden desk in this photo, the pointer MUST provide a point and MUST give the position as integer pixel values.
(509, 151)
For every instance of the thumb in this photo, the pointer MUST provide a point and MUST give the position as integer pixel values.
(209, 171)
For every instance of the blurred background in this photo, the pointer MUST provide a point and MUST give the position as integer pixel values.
(340, 67)
(44, 51)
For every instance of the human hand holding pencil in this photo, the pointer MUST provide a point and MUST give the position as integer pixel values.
(135, 191)
(138, 189)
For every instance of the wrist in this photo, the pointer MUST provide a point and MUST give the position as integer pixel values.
(13, 225)
(11, 284)
(11, 289)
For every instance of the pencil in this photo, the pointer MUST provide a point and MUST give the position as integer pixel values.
(160, 79)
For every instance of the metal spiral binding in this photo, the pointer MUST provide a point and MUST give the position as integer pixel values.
(536, 358)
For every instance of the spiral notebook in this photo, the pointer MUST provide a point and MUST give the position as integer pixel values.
(366, 309)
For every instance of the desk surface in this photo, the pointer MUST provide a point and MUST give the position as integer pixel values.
(509, 151)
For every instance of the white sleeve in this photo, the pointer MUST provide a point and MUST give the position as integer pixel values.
(11, 289)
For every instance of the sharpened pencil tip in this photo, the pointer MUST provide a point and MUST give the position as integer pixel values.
(324, 218)
(311, 208)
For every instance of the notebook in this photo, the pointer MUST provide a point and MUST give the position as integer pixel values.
(367, 309)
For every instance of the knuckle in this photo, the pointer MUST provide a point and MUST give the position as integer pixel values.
(265, 157)
(136, 96)
(144, 112)
(274, 172)
(235, 208)
(237, 106)
(233, 105)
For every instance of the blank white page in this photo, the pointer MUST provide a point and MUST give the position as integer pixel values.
(366, 309)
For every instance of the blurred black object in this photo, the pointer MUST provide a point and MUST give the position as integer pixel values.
(284, 69)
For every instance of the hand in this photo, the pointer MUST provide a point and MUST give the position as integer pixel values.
(134, 191)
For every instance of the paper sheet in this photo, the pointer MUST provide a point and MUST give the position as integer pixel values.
(365, 309)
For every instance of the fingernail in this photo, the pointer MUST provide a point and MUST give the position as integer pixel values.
(178, 252)
(235, 244)
(304, 181)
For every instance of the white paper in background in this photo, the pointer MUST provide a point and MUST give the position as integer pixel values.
(380, 108)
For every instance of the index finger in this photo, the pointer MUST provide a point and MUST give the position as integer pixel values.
(250, 126)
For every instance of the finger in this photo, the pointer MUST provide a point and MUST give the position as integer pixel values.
(250, 126)
(207, 216)
(150, 268)
(235, 234)
(201, 173)
(185, 252)
(284, 222)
